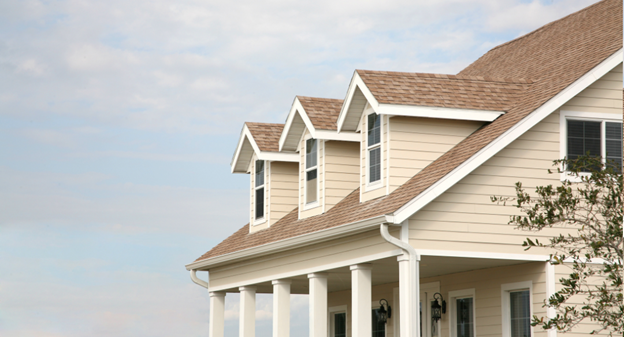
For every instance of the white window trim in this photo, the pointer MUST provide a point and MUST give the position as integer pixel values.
(313, 204)
(564, 115)
(336, 310)
(259, 221)
(379, 183)
(453, 295)
(506, 289)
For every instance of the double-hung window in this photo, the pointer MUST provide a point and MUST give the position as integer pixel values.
(600, 138)
(374, 148)
(259, 190)
(311, 171)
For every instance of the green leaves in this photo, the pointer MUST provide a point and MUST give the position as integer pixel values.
(590, 202)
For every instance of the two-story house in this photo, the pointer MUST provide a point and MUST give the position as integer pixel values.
(382, 200)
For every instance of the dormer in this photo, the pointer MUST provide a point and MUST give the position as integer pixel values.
(407, 120)
(273, 174)
(328, 160)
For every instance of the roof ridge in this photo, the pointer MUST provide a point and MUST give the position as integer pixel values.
(324, 98)
(545, 26)
(261, 123)
(456, 77)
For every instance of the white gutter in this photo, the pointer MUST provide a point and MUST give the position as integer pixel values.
(414, 280)
(198, 280)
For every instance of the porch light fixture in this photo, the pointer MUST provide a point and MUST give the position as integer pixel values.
(436, 309)
(382, 314)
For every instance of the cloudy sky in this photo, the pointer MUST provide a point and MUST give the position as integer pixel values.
(118, 120)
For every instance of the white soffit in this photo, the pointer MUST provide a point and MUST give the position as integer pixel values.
(296, 124)
(437, 112)
(247, 147)
(506, 138)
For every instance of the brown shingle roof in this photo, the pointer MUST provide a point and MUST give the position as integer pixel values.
(266, 135)
(323, 112)
(446, 91)
(555, 55)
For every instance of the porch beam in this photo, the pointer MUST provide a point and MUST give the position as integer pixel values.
(217, 314)
(247, 320)
(361, 298)
(318, 304)
(281, 308)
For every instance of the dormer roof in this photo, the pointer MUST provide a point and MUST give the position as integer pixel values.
(262, 140)
(562, 58)
(429, 95)
(318, 116)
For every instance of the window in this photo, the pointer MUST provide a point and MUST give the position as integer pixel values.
(338, 321)
(462, 309)
(339, 324)
(374, 147)
(594, 134)
(379, 328)
(516, 309)
(311, 170)
(259, 189)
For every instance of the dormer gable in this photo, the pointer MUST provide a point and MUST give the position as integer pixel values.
(273, 174)
(415, 118)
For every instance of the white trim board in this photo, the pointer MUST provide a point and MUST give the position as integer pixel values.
(506, 138)
(261, 155)
(506, 289)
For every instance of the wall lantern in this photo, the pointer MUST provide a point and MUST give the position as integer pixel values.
(382, 314)
(436, 309)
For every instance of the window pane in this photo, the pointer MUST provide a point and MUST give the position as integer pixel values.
(311, 156)
(259, 173)
(340, 325)
(613, 143)
(374, 128)
(583, 138)
(374, 164)
(520, 313)
(464, 317)
(260, 203)
(379, 328)
(311, 186)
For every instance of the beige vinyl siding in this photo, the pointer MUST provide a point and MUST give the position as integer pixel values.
(604, 95)
(315, 256)
(284, 187)
(416, 142)
(464, 218)
(377, 190)
(303, 212)
(341, 171)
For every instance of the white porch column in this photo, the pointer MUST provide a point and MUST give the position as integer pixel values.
(247, 320)
(318, 304)
(217, 314)
(281, 308)
(361, 298)
(409, 291)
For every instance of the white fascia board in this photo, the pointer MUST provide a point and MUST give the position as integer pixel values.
(294, 242)
(506, 138)
(294, 109)
(482, 255)
(437, 112)
(244, 134)
(333, 135)
(356, 82)
(278, 156)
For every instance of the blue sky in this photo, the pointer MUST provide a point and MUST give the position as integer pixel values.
(118, 120)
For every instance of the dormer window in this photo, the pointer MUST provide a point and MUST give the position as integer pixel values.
(311, 171)
(259, 189)
(374, 147)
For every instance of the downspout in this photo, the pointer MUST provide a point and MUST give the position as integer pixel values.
(197, 280)
(414, 277)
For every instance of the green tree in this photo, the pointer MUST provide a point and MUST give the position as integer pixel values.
(590, 202)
